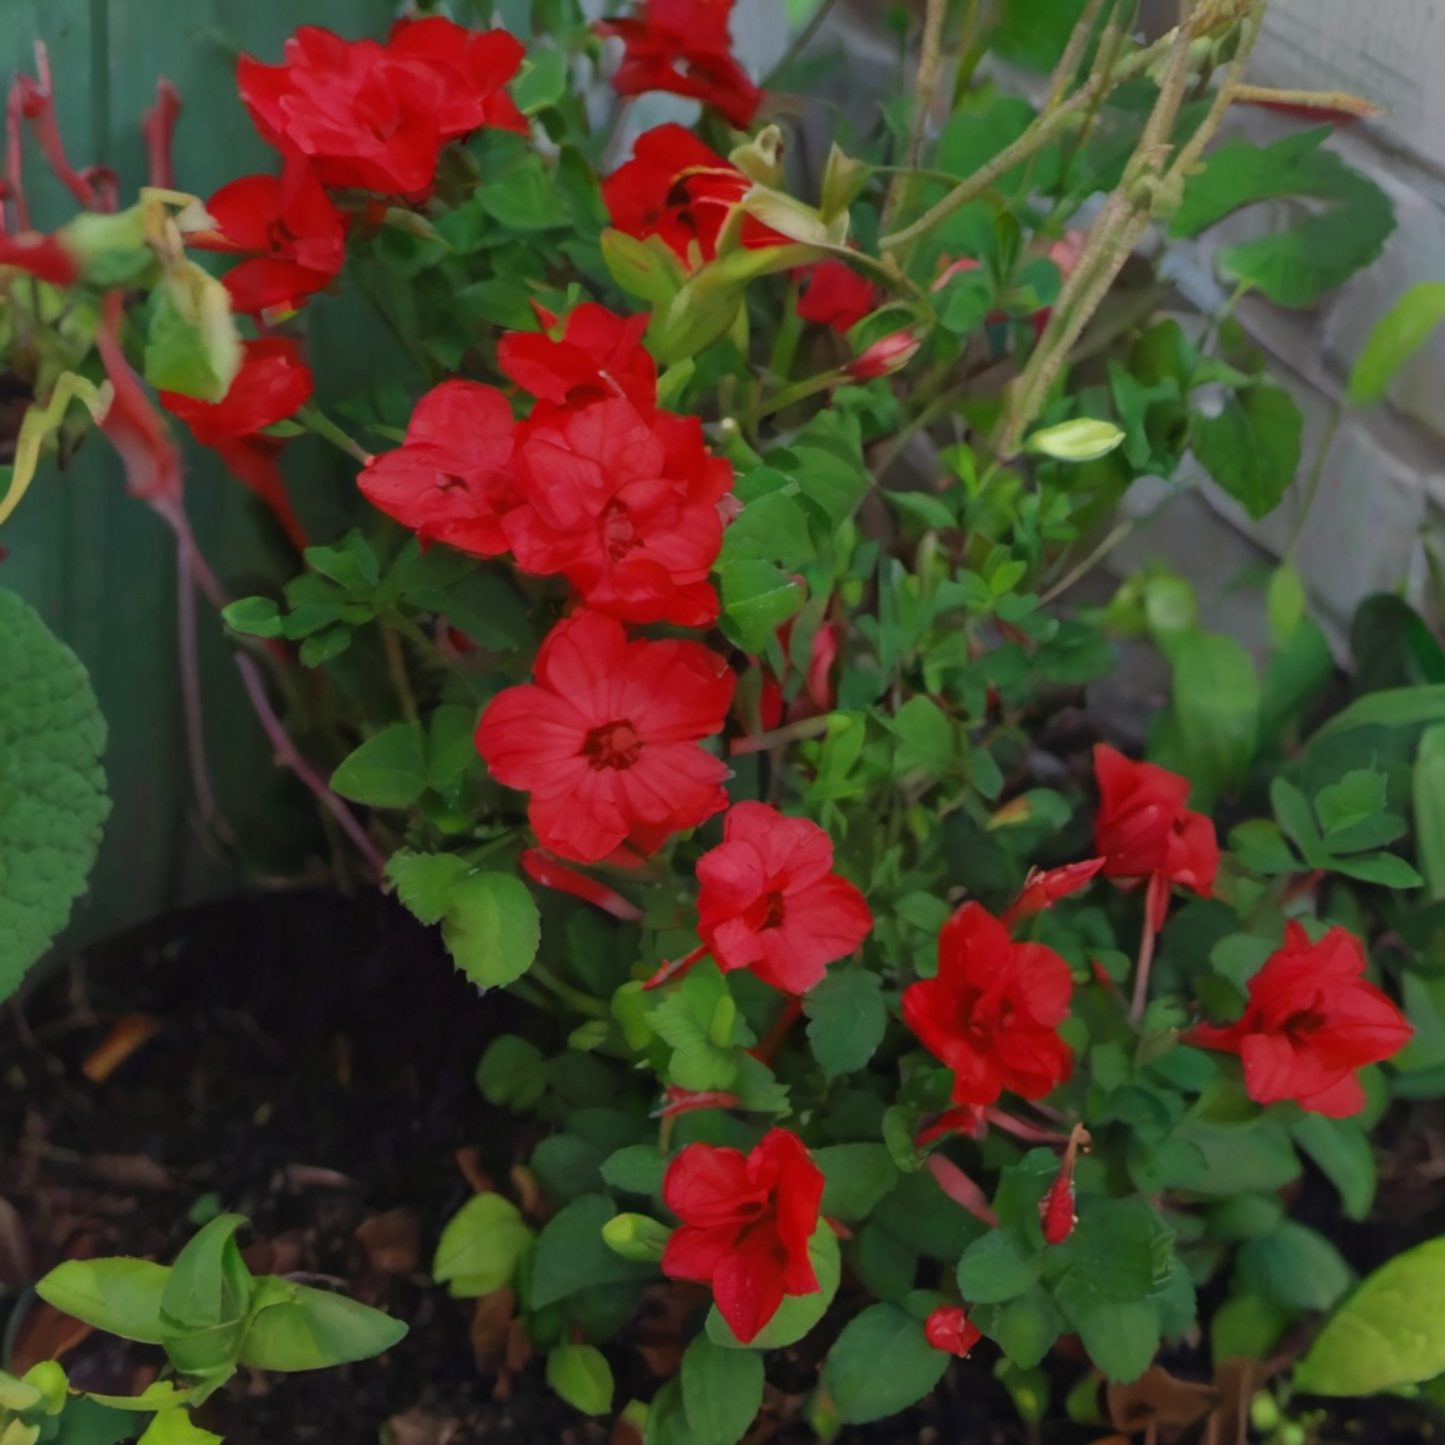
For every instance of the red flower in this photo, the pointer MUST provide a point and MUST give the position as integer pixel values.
(991, 1013)
(296, 237)
(676, 188)
(837, 296)
(625, 505)
(1312, 1021)
(949, 1328)
(375, 117)
(542, 868)
(451, 480)
(272, 382)
(746, 1223)
(606, 738)
(684, 48)
(1042, 890)
(769, 901)
(599, 355)
(1144, 828)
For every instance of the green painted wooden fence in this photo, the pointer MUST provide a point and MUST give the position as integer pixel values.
(98, 565)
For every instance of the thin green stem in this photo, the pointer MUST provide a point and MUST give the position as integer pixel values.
(396, 667)
(565, 993)
(315, 420)
(801, 41)
(930, 67)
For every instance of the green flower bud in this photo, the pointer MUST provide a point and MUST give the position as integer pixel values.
(1076, 441)
(636, 1237)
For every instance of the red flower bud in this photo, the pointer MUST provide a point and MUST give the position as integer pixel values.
(891, 353)
(949, 1329)
(1056, 1208)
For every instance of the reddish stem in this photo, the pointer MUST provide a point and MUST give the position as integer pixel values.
(788, 1015)
(1156, 909)
(676, 968)
(159, 127)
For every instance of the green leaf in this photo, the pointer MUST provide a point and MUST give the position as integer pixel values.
(88, 1422)
(1397, 336)
(425, 882)
(1389, 1333)
(722, 1391)
(209, 1283)
(770, 528)
(757, 598)
(300, 1328)
(1428, 791)
(1216, 704)
(543, 80)
(1253, 447)
(121, 1296)
(512, 1072)
(690, 1020)
(582, 1377)
(1295, 1266)
(1293, 267)
(1358, 796)
(571, 1254)
(1024, 1328)
(880, 1365)
(928, 738)
(857, 1176)
(1341, 1149)
(1117, 1248)
(846, 1019)
(492, 928)
(1034, 35)
(253, 617)
(52, 789)
(192, 346)
(798, 1313)
(636, 1169)
(480, 1246)
(386, 771)
(1121, 1336)
(175, 1427)
(1398, 707)
(998, 1267)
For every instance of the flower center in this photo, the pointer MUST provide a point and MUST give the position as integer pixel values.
(1304, 1021)
(614, 745)
(618, 536)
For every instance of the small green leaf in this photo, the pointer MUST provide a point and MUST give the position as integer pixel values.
(692, 1019)
(998, 1267)
(253, 616)
(1397, 336)
(1216, 704)
(480, 1246)
(798, 1313)
(175, 1427)
(582, 1377)
(1389, 1333)
(571, 1254)
(512, 1073)
(757, 598)
(846, 1019)
(722, 1391)
(1428, 790)
(299, 1328)
(492, 928)
(636, 1169)
(857, 1176)
(1252, 448)
(121, 1296)
(1121, 1336)
(192, 346)
(425, 882)
(1295, 1266)
(386, 771)
(543, 80)
(1342, 1150)
(209, 1283)
(881, 1364)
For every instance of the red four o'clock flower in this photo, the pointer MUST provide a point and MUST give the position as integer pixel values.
(683, 47)
(949, 1328)
(676, 188)
(625, 505)
(605, 739)
(451, 480)
(1312, 1021)
(598, 356)
(375, 117)
(746, 1223)
(836, 296)
(296, 237)
(770, 902)
(1144, 829)
(992, 1012)
(272, 382)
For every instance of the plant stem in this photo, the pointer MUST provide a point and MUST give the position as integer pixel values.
(1064, 72)
(930, 67)
(801, 41)
(1156, 906)
(396, 666)
(572, 997)
(315, 420)
(812, 727)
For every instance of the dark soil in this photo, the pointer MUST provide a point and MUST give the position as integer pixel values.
(307, 1060)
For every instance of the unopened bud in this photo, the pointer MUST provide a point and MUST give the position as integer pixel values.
(636, 1237)
(1076, 441)
(891, 353)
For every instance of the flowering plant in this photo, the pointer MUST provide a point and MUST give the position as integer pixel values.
(700, 660)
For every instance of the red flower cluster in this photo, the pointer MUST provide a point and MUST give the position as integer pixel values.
(374, 117)
(1312, 1021)
(746, 1223)
(272, 383)
(770, 902)
(992, 1012)
(605, 739)
(676, 188)
(597, 485)
(683, 47)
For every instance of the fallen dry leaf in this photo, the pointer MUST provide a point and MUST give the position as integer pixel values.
(127, 1035)
(1160, 1399)
(392, 1240)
